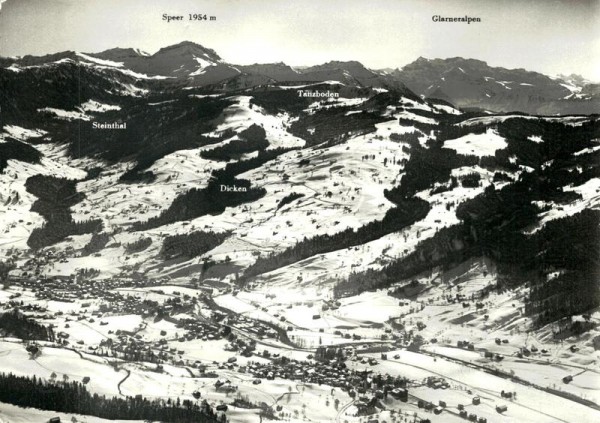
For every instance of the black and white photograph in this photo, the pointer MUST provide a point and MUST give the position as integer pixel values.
(266, 211)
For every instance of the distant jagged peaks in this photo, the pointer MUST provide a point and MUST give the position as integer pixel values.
(460, 81)
(473, 83)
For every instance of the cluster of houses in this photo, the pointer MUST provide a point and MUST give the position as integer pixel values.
(364, 385)
(249, 326)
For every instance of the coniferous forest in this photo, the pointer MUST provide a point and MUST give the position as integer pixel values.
(55, 197)
(16, 324)
(73, 397)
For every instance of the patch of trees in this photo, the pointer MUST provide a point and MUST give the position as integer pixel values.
(411, 138)
(15, 150)
(138, 245)
(449, 131)
(6, 266)
(289, 198)
(276, 101)
(426, 128)
(93, 173)
(427, 166)
(251, 139)
(439, 101)
(96, 243)
(63, 86)
(406, 212)
(572, 170)
(200, 202)
(560, 140)
(192, 244)
(570, 247)
(448, 186)
(470, 180)
(334, 125)
(73, 397)
(501, 177)
(52, 232)
(210, 200)
(447, 248)
(16, 324)
(55, 197)
(154, 131)
(422, 112)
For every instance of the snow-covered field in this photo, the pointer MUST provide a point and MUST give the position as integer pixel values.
(477, 144)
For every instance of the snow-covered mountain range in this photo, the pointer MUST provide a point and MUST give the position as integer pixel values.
(466, 83)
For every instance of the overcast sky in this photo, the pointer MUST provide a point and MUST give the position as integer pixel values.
(549, 36)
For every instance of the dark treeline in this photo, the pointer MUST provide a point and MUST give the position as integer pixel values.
(560, 140)
(62, 87)
(571, 247)
(427, 166)
(96, 243)
(411, 138)
(334, 125)
(153, 131)
(73, 397)
(15, 150)
(251, 139)
(138, 245)
(406, 212)
(275, 101)
(192, 244)
(211, 200)
(470, 180)
(16, 324)
(200, 202)
(55, 197)
(52, 232)
(139, 172)
(448, 247)
(288, 199)
(426, 128)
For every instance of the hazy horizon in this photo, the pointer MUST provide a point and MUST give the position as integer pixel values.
(551, 37)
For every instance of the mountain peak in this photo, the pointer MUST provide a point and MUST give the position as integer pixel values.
(351, 65)
(189, 47)
(117, 53)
